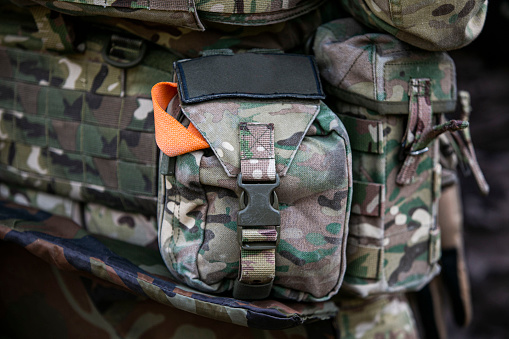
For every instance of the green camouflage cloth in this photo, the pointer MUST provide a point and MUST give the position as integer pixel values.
(431, 25)
(182, 13)
(79, 127)
(198, 220)
(64, 33)
(394, 240)
(380, 317)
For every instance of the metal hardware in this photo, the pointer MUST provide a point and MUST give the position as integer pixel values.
(418, 152)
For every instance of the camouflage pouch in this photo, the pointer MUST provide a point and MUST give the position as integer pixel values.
(431, 25)
(264, 209)
(390, 97)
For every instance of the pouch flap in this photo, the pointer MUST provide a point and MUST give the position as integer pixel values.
(248, 75)
(254, 81)
(374, 70)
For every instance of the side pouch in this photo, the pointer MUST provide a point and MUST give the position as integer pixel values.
(430, 25)
(390, 97)
(265, 209)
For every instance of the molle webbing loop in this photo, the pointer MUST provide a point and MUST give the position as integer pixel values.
(172, 137)
(419, 121)
(258, 219)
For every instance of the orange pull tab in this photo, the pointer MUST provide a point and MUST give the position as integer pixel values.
(172, 137)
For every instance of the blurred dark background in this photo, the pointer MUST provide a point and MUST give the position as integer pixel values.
(483, 70)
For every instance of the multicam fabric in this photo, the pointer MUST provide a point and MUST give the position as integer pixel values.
(199, 209)
(129, 270)
(79, 127)
(394, 241)
(257, 157)
(132, 228)
(18, 29)
(430, 25)
(385, 316)
(253, 12)
(176, 12)
(183, 13)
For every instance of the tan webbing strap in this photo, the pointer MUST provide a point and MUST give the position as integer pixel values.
(258, 219)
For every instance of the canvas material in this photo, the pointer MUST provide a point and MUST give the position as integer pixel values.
(199, 205)
(394, 240)
(434, 26)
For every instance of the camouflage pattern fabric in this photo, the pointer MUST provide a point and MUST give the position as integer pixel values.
(136, 270)
(180, 39)
(253, 12)
(257, 157)
(176, 13)
(198, 211)
(184, 13)
(79, 127)
(394, 240)
(54, 30)
(430, 25)
(132, 228)
(384, 316)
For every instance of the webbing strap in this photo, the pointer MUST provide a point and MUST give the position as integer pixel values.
(364, 261)
(257, 156)
(420, 132)
(466, 146)
(257, 266)
(257, 223)
(172, 137)
(419, 120)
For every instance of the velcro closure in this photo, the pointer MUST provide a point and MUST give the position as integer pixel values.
(248, 75)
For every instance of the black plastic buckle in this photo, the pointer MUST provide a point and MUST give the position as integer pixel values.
(260, 210)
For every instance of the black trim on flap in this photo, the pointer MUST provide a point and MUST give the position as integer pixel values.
(248, 75)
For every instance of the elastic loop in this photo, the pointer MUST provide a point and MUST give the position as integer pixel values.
(172, 137)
